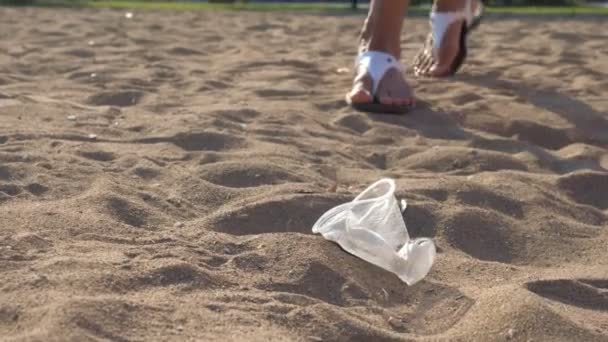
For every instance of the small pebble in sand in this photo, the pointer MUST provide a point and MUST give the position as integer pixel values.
(91, 42)
(178, 224)
(333, 188)
(92, 136)
(385, 295)
(511, 333)
(93, 75)
(39, 278)
(72, 117)
(342, 70)
(128, 15)
(397, 323)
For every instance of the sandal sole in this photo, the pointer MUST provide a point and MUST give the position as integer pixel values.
(378, 108)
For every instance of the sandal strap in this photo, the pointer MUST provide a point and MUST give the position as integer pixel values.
(377, 64)
(468, 12)
(440, 21)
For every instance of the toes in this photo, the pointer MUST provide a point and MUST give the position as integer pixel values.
(424, 59)
(422, 64)
(360, 92)
(398, 102)
(401, 101)
(359, 95)
(418, 69)
(392, 90)
(407, 101)
(419, 63)
(428, 63)
(386, 100)
(428, 58)
(439, 71)
(418, 60)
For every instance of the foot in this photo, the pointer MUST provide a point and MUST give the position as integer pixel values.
(393, 90)
(425, 64)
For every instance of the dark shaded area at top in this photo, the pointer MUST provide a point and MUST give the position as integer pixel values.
(355, 3)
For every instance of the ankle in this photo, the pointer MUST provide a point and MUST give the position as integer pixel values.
(377, 35)
(380, 44)
(448, 5)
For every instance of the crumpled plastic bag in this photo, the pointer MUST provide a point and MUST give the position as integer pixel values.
(371, 227)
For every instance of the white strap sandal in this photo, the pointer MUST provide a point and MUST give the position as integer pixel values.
(377, 64)
(441, 21)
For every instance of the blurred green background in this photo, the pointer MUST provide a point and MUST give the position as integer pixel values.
(496, 6)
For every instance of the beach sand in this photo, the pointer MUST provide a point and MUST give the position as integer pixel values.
(160, 175)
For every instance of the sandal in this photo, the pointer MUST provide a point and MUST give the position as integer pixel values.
(377, 64)
(441, 21)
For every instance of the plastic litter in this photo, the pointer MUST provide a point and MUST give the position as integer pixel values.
(371, 227)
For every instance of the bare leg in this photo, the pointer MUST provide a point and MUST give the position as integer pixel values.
(382, 32)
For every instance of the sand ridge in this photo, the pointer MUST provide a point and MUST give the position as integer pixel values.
(160, 175)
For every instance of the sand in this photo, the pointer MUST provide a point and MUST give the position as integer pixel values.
(160, 175)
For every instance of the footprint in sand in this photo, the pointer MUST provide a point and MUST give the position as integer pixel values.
(356, 122)
(585, 293)
(332, 105)
(405, 309)
(459, 160)
(6, 172)
(247, 174)
(487, 199)
(102, 156)
(207, 141)
(483, 235)
(280, 93)
(182, 274)
(36, 189)
(147, 172)
(81, 53)
(288, 213)
(10, 189)
(184, 51)
(586, 187)
(539, 134)
(127, 212)
(116, 98)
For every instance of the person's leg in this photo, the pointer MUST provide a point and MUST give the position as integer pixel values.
(382, 32)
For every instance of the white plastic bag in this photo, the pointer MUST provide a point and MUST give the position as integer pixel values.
(371, 227)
